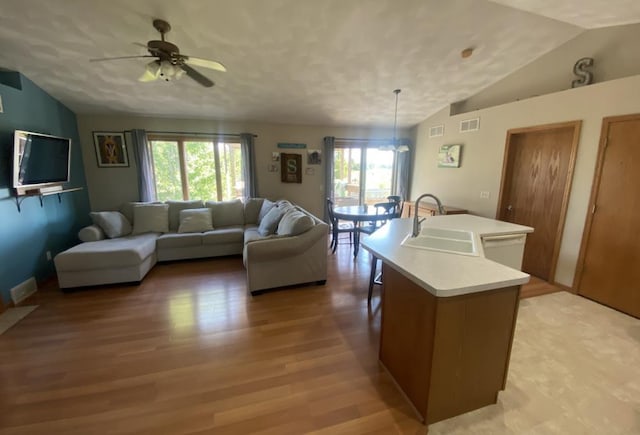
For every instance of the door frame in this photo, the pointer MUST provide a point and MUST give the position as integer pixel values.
(504, 183)
(597, 177)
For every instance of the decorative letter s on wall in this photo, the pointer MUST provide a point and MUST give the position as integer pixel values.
(580, 69)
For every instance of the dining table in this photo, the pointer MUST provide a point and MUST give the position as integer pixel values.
(359, 214)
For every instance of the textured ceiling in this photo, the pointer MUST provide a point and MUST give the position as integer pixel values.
(588, 14)
(322, 62)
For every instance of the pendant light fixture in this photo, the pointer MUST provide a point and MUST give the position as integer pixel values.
(396, 145)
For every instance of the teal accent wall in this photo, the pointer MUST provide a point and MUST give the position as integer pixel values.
(26, 236)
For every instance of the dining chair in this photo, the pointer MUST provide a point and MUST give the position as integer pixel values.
(338, 227)
(392, 209)
(399, 204)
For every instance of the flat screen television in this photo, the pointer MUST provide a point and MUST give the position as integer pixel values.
(39, 161)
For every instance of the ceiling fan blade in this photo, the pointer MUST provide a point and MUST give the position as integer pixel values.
(195, 75)
(204, 63)
(100, 59)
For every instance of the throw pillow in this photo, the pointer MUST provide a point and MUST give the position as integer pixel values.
(175, 207)
(270, 222)
(196, 220)
(151, 218)
(92, 233)
(113, 223)
(294, 222)
(266, 206)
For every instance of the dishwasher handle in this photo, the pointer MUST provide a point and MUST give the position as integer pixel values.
(507, 239)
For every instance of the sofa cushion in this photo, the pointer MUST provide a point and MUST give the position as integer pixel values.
(113, 223)
(252, 207)
(294, 222)
(109, 253)
(234, 234)
(175, 207)
(251, 235)
(269, 223)
(175, 240)
(92, 233)
(266, 207)
(151, 218)
(196, 220)
(226, 213)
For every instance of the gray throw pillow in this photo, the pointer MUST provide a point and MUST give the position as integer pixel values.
(294, 222)
(270, 222)
(197, 220)
(151, 218)
(113, 223)
(266, 207)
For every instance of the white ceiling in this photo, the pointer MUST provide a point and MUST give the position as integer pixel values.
(321, 62)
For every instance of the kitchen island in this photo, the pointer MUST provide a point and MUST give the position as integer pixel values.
(447, 319)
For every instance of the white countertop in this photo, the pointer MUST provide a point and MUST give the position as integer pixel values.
(446, 274)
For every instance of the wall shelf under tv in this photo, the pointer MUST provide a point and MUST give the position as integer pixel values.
(41, 194)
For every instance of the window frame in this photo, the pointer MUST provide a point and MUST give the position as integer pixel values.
(182, 156)
(363, 147)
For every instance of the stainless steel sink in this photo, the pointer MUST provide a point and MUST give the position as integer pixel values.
(443, 240)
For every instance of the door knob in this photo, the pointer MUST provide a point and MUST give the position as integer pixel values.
(509, 208)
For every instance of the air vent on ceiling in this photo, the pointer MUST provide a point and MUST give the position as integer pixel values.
(470, 125)
(436, 131)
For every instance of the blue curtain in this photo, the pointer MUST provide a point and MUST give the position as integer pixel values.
(329, 147)
(249, 164)
(146, 179)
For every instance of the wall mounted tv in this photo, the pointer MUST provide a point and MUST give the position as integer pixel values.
(40, 162)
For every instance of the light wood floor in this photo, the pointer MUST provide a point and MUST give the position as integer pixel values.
(188, 351)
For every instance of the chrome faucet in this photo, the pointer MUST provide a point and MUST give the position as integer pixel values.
(416, 220)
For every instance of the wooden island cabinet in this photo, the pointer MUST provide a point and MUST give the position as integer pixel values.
(449, 355)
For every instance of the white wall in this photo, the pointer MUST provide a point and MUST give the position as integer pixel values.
(483, 152)
(614, 51)
(110, 187)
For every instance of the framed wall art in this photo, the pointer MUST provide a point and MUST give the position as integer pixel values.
(111, 149)
(291, 168)
(449, 156)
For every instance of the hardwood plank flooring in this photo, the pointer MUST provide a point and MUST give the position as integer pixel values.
(188, 351)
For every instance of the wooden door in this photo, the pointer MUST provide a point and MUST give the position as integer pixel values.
(608, 270)
(536, 180)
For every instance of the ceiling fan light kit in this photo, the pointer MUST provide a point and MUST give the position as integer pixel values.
(169, 63)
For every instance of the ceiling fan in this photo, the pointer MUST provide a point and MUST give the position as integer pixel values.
(169, 64)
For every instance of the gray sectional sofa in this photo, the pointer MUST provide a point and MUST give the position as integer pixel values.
(295, 253)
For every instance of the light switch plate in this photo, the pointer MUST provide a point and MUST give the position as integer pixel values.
(484, 194)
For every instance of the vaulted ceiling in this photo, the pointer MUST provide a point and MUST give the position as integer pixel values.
(321, 62)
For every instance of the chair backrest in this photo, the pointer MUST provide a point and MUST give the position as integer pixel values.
(389, 208)
(332, 217)
(399, 204)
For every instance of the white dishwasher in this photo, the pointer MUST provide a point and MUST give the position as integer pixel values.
(507, 249)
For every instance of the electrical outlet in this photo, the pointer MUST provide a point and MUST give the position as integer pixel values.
(48, 255)
(1, 107)
(484, 194)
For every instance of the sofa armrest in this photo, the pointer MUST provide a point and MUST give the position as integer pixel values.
(91, 233)
(285, 246)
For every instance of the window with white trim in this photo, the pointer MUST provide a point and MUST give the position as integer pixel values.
(204, 168)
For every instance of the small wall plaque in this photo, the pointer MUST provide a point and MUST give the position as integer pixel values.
(291, 168)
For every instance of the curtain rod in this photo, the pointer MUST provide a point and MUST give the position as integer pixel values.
(351, 139)
(194, 133)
